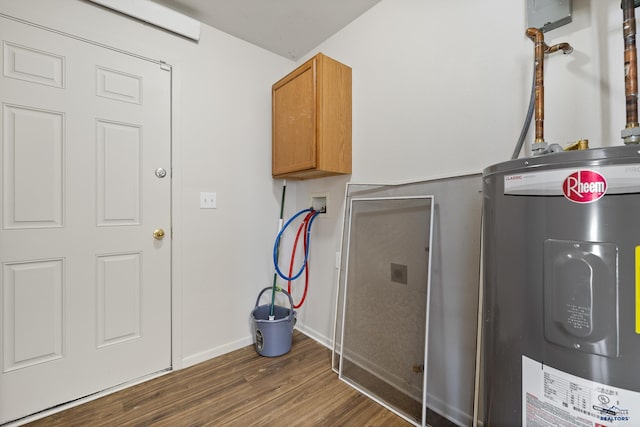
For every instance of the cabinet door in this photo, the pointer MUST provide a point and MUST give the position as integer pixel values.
(295, 121)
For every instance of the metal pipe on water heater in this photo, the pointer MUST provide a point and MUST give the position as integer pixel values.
(538, 39)
(631, 132)
(540, 50)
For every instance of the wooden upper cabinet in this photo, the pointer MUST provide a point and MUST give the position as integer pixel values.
(312, 120)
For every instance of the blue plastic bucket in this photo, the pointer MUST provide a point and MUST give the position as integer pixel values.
(273, 337)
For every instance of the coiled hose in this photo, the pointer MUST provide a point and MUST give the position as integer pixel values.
(306, 251)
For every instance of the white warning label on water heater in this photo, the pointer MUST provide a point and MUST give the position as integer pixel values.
(555, 398)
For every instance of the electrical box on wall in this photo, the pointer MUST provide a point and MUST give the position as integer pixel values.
(547, 15)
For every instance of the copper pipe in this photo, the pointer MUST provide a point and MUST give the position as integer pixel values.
(540, 49)
(630, 63)
(564, 47)
(581, 144)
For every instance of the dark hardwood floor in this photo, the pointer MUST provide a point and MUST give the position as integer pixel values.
(241, 389)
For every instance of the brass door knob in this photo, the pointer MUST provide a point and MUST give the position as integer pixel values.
(158, 234)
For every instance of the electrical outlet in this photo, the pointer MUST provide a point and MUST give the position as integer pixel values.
(319, 202)
(208, 201)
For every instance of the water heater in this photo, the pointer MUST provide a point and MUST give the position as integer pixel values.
(561, 343)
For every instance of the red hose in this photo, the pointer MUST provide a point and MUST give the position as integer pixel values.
(303, 226)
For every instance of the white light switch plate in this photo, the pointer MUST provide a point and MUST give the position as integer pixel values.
(207, 200)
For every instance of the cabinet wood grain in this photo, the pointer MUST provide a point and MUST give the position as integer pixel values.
(312, 120)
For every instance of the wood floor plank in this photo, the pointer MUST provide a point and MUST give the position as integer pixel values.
(241, 389)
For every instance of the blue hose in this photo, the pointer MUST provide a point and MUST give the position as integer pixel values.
(306, 252)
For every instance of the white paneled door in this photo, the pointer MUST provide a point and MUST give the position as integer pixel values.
(84, 273)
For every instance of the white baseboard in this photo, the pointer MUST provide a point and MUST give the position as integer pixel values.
(315, 335)
(203, 356)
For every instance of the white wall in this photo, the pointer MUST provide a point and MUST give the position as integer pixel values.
(441, 88)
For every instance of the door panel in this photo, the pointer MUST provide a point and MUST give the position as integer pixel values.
(118, 298)
(23, 63)
(33, 313)
(85, 287)
(33, 156)
(119, 173)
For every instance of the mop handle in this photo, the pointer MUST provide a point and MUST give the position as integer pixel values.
(275, 274)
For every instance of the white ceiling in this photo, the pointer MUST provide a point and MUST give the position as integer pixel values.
(290, 28)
